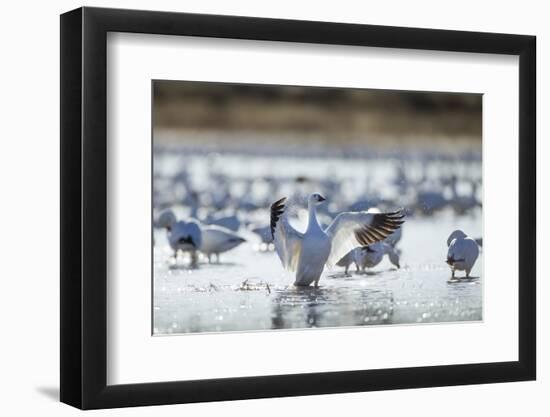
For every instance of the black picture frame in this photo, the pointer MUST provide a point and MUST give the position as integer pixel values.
(84, 207)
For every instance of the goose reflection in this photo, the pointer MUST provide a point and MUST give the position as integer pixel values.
(294, 307)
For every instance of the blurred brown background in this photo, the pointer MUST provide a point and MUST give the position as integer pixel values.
(338, 112)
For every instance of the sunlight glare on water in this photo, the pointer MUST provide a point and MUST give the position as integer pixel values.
(249, 290)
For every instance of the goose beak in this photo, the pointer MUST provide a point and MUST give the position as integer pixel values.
(321, 198)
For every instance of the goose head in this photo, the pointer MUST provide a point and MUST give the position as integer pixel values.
(166, 219)
(457, 234)
(315, 199)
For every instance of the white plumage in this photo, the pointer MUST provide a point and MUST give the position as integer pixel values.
(190, 236)
(462, 253)
(216, 240)
(307, 253)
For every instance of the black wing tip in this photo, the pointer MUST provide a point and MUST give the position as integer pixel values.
(279, 202)
(399, 213)
(277, 208)
(384, 225)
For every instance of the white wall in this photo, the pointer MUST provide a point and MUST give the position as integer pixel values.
(29, 96)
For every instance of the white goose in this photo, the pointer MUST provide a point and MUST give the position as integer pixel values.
(308, 253)
(463, 252)
(185, 237)
(217, 239)
(370, 256)
(190, 236)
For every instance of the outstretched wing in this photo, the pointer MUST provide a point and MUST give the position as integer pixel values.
(351, 229)
(287, 240)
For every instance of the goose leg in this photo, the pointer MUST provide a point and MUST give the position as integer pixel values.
(217, 257)
(346, 270)
(452, 273)
(209, 258)
(194, 259)
(316, 284)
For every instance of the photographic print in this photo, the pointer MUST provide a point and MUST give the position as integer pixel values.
(293, 207)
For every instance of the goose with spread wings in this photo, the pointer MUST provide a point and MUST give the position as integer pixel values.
(307, 253)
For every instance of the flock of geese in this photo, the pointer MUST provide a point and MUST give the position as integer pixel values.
(343, 232)
(227, 197)
(361, 238)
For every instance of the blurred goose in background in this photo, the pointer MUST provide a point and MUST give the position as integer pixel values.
(264, 233)
(347, 260)
(462, 253)
(191, 236)
(185, 237)
(165, 219)
(307, 253)
(431, 200)
(228, 222)
(463, 203)
(216, 240)
(372, 255)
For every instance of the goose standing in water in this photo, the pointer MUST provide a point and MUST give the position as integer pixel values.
(264, 233)
(369, 256)
(191, 236)
(347, 260)
(216, 240)
(462, 254)
(307, 253)
(372, 255)
(182, 236)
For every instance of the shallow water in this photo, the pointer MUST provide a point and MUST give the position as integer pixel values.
(248, 289)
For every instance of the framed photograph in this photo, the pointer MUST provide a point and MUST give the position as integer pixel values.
(257, 208)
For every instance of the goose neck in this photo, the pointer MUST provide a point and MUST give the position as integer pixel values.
(312, 221)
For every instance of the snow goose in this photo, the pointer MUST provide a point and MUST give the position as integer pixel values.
(264, 233)
(216, 240)
(430, 201)
(307, 253)
(185, 237)
(463, 252)
(463, 203)
(372, 255)
(347, 260)
(165, 219)
(228, 222)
